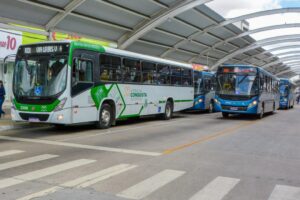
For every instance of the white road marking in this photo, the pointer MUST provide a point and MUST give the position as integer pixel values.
(81, 146)
(216, 190)
(151, 184)
(284, 192)
(124, 129)
(4, 183)
(26, 161)
(84, 181)
(10, 152)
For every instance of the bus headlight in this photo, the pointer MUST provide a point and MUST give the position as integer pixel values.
(200, 100)
(61, 105)
(285, 99)
(254, 103)
(60, 117)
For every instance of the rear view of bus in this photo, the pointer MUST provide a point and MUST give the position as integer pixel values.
(287, 96)
(246, 90)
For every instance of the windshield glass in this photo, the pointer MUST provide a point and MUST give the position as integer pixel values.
(237, 84)
(284, 90)
(40, 76)
(198, 83)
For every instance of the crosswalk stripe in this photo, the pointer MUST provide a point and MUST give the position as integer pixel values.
(84, 181)
(81, 146)
(10, 152)
(216, 189)
(151, 184)
(284, 192)
(4, 183)
(26, 161)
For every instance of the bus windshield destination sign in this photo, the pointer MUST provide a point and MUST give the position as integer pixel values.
(59, 48)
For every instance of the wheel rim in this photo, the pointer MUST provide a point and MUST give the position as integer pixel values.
(168, 111)
(210, 108)
(105, 117)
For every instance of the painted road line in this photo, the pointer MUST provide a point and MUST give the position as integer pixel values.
(284, 192)
(119, 130)
(26, 161)
(81, 146)
(151, 184)
(217, 189)
(207, 138)
(84, 181)
(4, 183)
(10, 152)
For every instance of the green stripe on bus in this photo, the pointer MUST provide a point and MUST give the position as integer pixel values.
(179, 101)
(36, 108)
(124, 103)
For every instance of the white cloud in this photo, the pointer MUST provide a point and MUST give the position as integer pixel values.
(234, 8)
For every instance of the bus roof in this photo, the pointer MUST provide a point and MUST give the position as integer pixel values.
(99, 48)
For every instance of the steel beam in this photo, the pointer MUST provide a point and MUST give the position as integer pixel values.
(160, 18)
(61, 15)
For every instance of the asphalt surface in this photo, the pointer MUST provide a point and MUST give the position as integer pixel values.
(195, 156)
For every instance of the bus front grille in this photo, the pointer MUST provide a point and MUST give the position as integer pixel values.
(234, 97)
(40, 117)
(235, 108)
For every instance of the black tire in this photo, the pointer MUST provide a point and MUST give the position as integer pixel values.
(211, 107)
(225, 115)
(262, 112)
(105, 117)
(168, 114)
(274, 107)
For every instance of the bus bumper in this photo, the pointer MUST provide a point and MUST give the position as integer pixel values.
(199, 103)
(57, 117)
(236, 107)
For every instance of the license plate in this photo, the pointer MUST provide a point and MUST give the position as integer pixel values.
(234, 108)
(32, 119)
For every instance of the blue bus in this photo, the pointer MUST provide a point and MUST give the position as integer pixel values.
(287, 94)
(243, 89)
(204, 91)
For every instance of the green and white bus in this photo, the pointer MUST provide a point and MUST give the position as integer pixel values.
(66, 83)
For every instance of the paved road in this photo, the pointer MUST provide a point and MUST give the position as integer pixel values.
(192, 157)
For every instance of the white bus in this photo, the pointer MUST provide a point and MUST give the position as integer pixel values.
(65, 83)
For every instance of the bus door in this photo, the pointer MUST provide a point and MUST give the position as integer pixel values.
(208, 89)
(83, 79)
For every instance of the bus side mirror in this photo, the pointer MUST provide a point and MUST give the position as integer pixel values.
(5, 68)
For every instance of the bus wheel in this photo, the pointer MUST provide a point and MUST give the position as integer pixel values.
(211, 107)
(225, 115)
(262, 112)
(105, 117)
(168, 111)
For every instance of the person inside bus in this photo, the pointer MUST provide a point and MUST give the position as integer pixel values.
(2, 98)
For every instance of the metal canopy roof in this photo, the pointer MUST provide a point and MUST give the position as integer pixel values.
(184, 30)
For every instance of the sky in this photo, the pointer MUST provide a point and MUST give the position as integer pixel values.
(234, 8)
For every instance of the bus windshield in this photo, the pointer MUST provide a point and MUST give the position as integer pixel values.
(40, 76)
(198, 83)
(237, 84)
(284, 90)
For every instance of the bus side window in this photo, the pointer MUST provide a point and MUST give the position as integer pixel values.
(110, 68)
(132, 70)
(187, 77)
(163, 74)
(82, 75)
(149, 72)
(176, 76)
